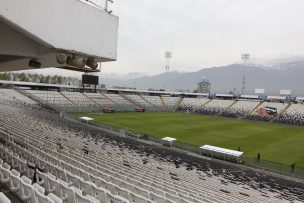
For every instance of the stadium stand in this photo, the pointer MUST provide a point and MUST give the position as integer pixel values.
(52, 97)
(121, 103)
(192, 104)
(45, 158)
(216, 106)
(170, 102)
(241, 108)
(100, 99)
(268, 111)
(155, 101)
(140, 101)
(11, 94)
(293, 115)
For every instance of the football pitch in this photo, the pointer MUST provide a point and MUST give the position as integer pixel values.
(275, 142)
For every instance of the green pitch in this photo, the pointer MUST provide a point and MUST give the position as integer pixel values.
(275, 142)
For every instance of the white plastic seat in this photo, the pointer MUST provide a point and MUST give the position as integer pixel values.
(61, 173)
(4, 199)
(41, 178)
(41, 198)
(157, 198)
(141, 192)
(68, 193)
(29, 171)
(123, 192)
(54, 185)
(86, 187)
(54, 198)
(15, 184)
(22, 165)
(99, 193)
(137, 199)
(70, 178)
(114, 199)
(28, 190)
(110, 187)
(82, 199)
(4, 173)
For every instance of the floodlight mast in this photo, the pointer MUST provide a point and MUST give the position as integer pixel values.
(168, 56)
(244, 57)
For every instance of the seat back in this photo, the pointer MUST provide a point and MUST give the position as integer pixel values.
(68, 193)
(54, 198)
(41, 178)
(123, 193)
(99, 193)
(41, 198)
(157, 198)
(113, 198)
(27, 190)
(54, 186)
(137, 199)
(82, 199)
(15, 182)
(5, 173)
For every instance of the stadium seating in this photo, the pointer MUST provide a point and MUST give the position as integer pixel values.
(192, 104)
(52, 97)
(81, 164)
(215, 106)
(241, 108)
(170, 102)
(293, 115)
(267, 111)
(11, 94)
(155, 101)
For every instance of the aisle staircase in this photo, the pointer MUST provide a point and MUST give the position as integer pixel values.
(84, 94)
(106, 96)
(255, 108)
(67, 98)
(178, 103)
(131, 100)
(283, 111)
(163, 103)
(229, 106)
(143, 98)
(207, 102)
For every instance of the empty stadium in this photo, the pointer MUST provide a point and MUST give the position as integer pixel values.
(62, 142)
(101, 164)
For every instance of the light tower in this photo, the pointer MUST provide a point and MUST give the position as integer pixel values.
(244, 57)
(168, 56)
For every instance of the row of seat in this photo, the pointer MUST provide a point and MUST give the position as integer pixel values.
(114, 164)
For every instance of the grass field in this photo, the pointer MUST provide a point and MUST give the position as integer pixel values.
(275, 142)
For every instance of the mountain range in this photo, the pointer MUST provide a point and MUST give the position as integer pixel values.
(289, 75)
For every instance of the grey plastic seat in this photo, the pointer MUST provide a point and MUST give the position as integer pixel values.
(41, 198)
(28, 190)
(4, 173)
(99, 193)
(15, 184)
(68, 193)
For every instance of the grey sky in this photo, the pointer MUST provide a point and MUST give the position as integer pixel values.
(204, 33)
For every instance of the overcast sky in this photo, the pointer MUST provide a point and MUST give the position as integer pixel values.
(204, 33)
